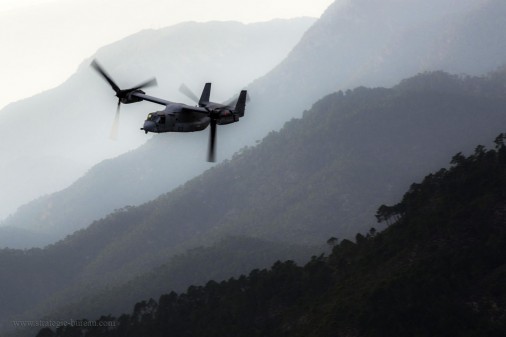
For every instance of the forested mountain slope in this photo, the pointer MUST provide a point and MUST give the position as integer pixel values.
(438, 270)
(362, 42)
(321, 176)
(228, 258)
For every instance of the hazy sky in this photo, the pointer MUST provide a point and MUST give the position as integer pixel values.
(44, 41)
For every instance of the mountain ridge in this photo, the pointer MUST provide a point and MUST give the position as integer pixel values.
(323, 175)
(72, 121)
(337, 48)
(437, 270)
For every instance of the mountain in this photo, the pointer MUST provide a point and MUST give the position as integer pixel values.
(17, 237)
(338, 52)
(438, 270)
(65, 130)
(379, 43)
(322, 175)
(102, 188)
(227, 258)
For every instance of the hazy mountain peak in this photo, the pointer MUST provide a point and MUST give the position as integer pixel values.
(72, 121)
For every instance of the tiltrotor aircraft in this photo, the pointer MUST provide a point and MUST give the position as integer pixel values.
(178, 117)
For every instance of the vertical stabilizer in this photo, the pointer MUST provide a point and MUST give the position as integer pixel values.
(241, 103)
(206, 93)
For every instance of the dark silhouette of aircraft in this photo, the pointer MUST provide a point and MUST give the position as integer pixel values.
(178, 117)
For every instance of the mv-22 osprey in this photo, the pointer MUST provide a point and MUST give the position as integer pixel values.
(178, 117)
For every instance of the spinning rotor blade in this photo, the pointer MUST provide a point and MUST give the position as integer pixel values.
(124, 96)
(212, 142)
(115, 87)
(188, 93)
(105, 75)
(149, 83)
(115, 125)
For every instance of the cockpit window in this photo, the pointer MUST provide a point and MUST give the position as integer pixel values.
(151, 116)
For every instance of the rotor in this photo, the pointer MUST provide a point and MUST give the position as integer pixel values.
(124, 96)
(214, 111)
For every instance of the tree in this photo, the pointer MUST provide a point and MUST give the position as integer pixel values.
(46, 332)
(333, 241)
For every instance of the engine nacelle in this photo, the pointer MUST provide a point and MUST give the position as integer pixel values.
(227, 117)
(126, 96)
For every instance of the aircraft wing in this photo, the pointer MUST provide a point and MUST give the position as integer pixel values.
(151, 98)
(171, 106)
(218, 106)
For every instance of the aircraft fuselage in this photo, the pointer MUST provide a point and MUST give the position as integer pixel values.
(163, 121)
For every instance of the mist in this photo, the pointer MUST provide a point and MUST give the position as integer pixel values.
(45, 41)
(371, 153)
(66, 130)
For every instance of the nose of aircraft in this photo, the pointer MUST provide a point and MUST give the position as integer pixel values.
(149, 126)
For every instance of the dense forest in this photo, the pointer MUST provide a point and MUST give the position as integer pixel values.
(229, 257)
(437, 270)
(322, 175)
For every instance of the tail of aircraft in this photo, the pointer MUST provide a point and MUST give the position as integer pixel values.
(206, 94)
(240, 106)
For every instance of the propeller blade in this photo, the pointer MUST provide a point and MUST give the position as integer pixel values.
(212, 142)
(115, 125)
(105, 75)
(188, 93)
(149, 83)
